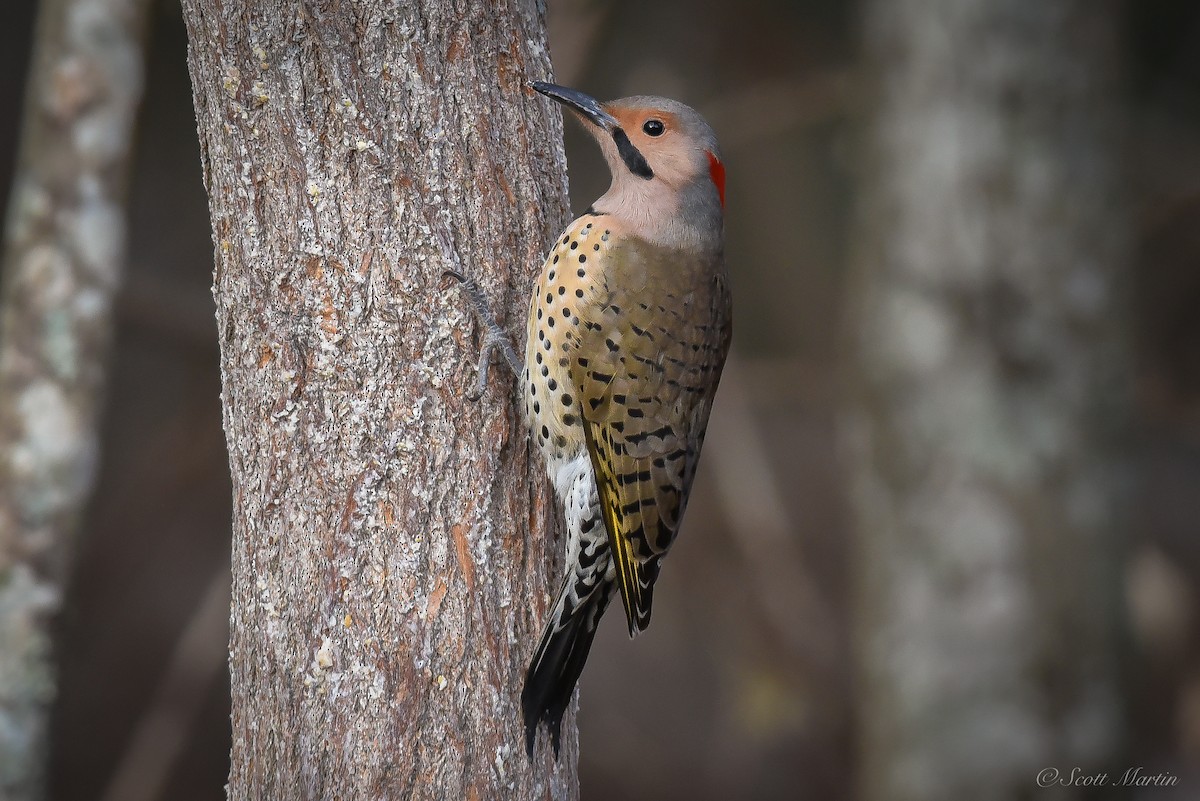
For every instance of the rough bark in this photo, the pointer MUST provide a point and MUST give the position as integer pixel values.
(63, 254)
(987, 400)
(389, 561)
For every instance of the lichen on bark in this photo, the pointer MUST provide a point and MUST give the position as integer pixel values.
(389, 541)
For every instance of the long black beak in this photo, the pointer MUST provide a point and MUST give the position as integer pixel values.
(587, 106)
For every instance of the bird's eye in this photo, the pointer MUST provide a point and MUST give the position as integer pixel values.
(653, 128)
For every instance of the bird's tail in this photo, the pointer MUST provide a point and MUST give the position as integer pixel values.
(558, 661)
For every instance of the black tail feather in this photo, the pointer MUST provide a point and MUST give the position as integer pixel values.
(556, 667)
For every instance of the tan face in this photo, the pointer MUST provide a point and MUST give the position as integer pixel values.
(660, 138)
(668, 183)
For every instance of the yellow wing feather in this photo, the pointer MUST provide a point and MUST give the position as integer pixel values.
(655, 333)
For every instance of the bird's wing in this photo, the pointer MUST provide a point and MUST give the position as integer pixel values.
(652, 340)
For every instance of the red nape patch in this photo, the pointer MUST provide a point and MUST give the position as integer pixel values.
(717, 170)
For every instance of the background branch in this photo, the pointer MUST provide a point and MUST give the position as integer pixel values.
(64, 245)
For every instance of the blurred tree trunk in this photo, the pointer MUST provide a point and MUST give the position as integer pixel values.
(389, 569)
(64, 248)
(988, 397)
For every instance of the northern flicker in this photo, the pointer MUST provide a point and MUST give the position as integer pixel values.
(628, 329)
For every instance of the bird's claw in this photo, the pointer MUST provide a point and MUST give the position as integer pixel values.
(494, 337)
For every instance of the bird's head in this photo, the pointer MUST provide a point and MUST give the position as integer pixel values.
(668, 180)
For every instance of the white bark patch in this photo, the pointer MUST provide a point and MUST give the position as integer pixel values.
(53, 441)
(97, 234)
(922, 331)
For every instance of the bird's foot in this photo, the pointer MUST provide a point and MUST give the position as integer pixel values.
(494, 336)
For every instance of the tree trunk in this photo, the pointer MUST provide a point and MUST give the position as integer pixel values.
(987, 399)
(389, 563)
(64, 248)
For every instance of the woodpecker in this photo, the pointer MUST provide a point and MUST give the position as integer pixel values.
(629, 325)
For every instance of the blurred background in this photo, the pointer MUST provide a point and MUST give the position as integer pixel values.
(745, 686)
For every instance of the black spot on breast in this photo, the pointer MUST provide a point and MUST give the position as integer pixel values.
(574, 245)
(549, 298)
(582, 258)
(551, 383)
(567, 400)
(568, 419)
(562, 290)
(550, 322)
